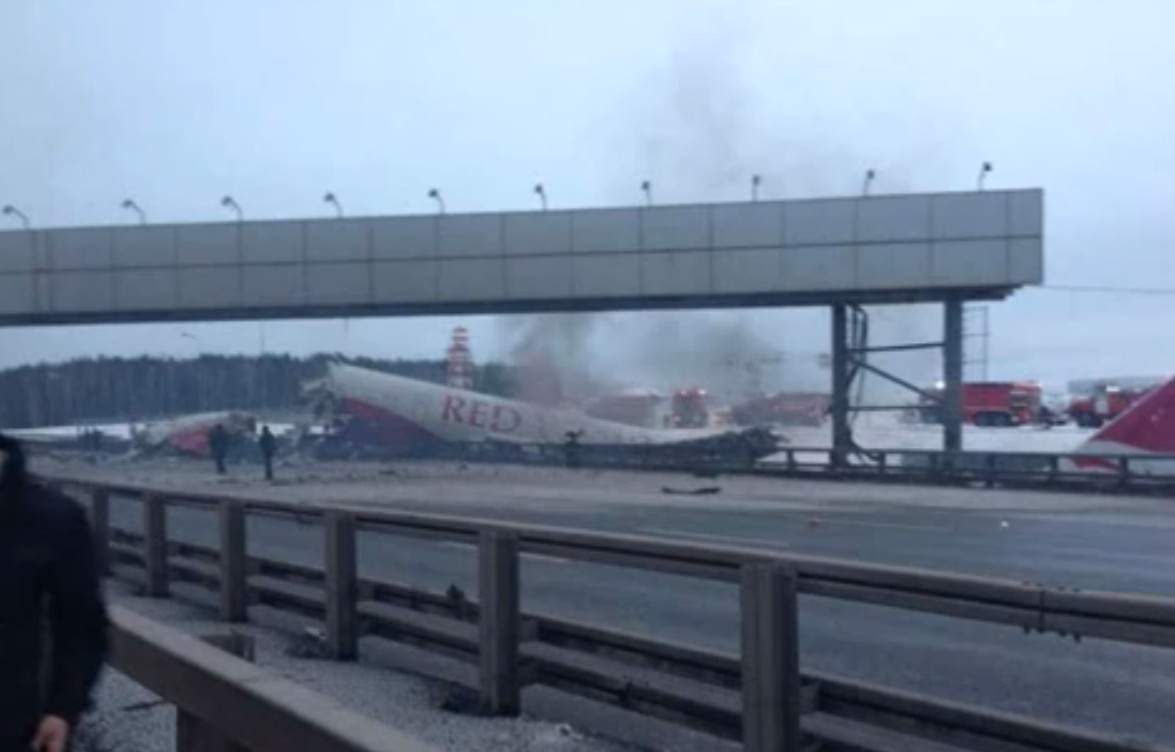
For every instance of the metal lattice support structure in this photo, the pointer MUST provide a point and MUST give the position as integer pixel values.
(850, 363)
(459, 361)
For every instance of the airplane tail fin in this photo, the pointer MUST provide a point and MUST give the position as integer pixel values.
(1146, 426)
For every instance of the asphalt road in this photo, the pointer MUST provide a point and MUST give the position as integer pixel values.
(1089, 542)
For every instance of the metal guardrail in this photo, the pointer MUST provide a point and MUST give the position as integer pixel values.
(1116, 471)
(1121, 473)
(759, 696)
(241, 706)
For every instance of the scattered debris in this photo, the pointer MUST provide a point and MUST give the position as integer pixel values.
(310, 644)
(146, 705)
(460, 700)
(704, 491)
(461, 604)
(558, 734)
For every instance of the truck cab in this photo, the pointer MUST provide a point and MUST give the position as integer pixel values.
(1106, 403)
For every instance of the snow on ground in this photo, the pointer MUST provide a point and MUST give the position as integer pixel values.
(113, 430)
(884, 432)
(129, 718)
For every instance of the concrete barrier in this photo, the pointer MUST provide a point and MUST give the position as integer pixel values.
(244, 704)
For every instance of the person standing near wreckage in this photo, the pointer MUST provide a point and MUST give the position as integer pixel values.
(268, 445)
(53, 621)
(218, 446)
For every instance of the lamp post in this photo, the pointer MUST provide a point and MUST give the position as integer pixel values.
(756, 181)
(230, 203)
(11, 211)
(129, 203)
(436, 196)
(333, 200)
(647, 187)
(542, 194)
(869, 175)
(983, 172)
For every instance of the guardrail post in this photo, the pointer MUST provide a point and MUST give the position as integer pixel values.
(155, 544)
(100, 524)
(342, 585)
(498, 623)
(770, 658)
(234, 601)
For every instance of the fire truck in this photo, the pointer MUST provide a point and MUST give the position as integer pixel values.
(1107, 402)
(688, 409)
(633, 407)
(784, 408)
(989, 403)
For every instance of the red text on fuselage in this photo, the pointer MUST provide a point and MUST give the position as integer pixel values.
(479, 414)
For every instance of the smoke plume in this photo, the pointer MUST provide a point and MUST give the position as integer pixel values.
(552, 354)
(702, 134)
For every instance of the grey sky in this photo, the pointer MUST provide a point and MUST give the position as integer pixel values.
(178, 103)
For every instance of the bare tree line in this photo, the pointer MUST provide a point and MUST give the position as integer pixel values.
(93, 390)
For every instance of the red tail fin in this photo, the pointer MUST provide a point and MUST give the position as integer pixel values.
(1146, 426)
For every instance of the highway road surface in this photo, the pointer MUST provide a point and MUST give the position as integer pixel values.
(1080, 541)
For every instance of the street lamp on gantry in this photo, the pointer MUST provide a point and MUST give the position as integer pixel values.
(435, 195)
(869, 175)
(647, 187)
(129, 203)
(331, 199)
(229, 202)
(12, 211)
(983, 171)
(756, 181)
(542, 194)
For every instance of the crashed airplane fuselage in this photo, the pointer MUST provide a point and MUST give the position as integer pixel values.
(188, 435)
(409, 415)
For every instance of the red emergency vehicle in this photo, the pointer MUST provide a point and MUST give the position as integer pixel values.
(1107, 402)
(688, 408)
(784, 408)
(990, 403)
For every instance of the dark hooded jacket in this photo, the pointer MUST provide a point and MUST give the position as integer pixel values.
(53, 638)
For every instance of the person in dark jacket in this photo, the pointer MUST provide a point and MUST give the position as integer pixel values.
(268, 445)
(218, 446)
(49, 588)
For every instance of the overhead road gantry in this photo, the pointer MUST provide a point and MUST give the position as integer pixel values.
(843, 253)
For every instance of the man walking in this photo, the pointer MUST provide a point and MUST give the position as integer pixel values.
(49, 588)
(268, 445)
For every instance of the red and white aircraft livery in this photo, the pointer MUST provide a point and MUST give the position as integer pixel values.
(399, 412)
(1147, 427)
(189, 434)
